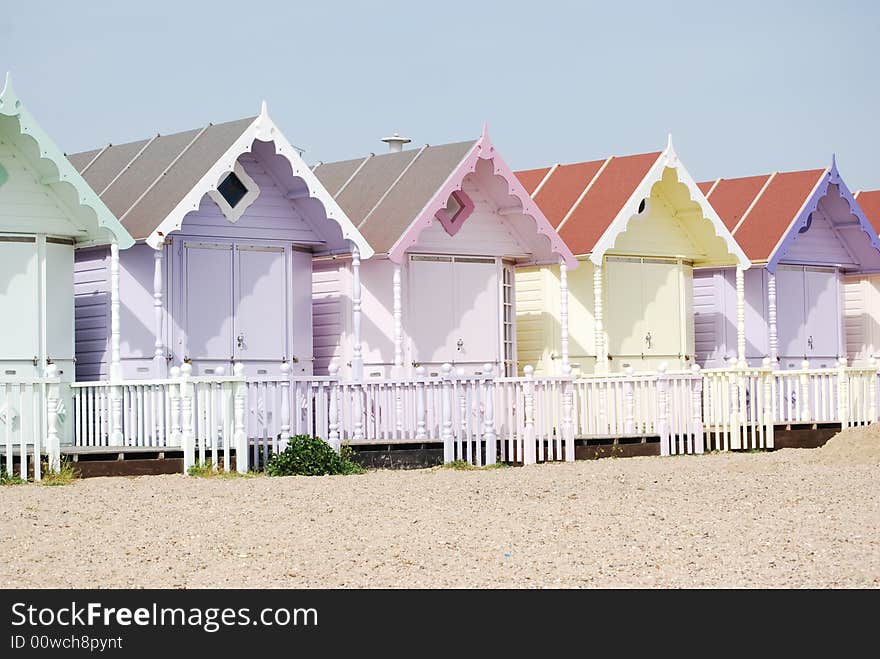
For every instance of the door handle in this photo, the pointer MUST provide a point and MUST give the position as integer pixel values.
(648, 339)
(240, 340)
(810, 342)
(459, 344)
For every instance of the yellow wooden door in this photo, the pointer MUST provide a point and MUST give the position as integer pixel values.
(624, 306)
(662, 308)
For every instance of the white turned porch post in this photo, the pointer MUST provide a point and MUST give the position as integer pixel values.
(187, 440)
(357, 359)
(567, 412)
(333, 412)
(740, 317)
(421, 407)
(240, 439)
(598, 325)
(285, 406)
(771, 317)
(767, 420)
(159, 363)
(697, 409)
(529, 449)
(116, 437)
(53, 444)
(489, 435)
(446, 428)
(398, 322)
(563, 311)
(663, 410)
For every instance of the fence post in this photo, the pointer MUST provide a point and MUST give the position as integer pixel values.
(186, 412)
(872, 390)
(567, 405)
(333, 412)
(174, 404)
(284, 440)
(241, 438)
(446, 430)
(529, 449)
(53, 444)
(697, 409)
(842, 393)
(767, 411)
(735, 438)
(421, 408)
(629, 411)
(662, 412)
(804, 393)
(357, 410)
(489, 416)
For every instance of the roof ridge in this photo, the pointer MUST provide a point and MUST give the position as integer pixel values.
(129, 164)
(751, 206)
(583, 193)
(164, 171)
(392, 186)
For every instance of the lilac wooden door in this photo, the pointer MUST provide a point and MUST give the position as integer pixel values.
(260, 299)
(790, 313)
(822, 314)
(207, 321)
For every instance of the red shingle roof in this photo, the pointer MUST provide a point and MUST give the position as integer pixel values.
(589, 219)
(531, 178)
(869, 202)
(759, 212)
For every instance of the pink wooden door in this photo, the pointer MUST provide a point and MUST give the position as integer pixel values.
(207, 321)
(260, 298)
(454, 311)
(432, 305)
(477, 317)
(822, 315)
(790, 314)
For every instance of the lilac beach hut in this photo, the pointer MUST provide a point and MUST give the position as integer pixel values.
(803, 231)
(227, 219)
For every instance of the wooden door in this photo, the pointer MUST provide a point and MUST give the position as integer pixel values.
(624, 308)
(477, 325)
(432, 306)
(19, 305)
(662, 308)
(207, 303)
(58, 286)
(260, 298)
(822, 313)
(790, 313)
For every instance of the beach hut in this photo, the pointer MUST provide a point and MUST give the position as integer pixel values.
(449, 223)
(227, 219)
(639, 224)
(861, 306)
(803, 230)
(47, 213)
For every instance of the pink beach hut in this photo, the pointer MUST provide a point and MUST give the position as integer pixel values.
(449, 224)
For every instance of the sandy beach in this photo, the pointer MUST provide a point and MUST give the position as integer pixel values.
(792, 518)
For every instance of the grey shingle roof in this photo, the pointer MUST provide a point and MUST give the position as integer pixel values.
(388, 191)
(141, 182)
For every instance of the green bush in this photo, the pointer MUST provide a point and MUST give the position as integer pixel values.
(311, 456)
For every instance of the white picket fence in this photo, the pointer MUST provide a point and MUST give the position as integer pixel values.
(476, 419)
(29, 421)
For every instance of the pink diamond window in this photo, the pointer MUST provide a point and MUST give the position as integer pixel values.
(459, 206)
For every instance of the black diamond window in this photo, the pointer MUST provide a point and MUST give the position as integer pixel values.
(232, 189)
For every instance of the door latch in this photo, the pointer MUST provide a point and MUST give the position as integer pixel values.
(240, 340)
(648, 339)
(810, 343)
(459, 344)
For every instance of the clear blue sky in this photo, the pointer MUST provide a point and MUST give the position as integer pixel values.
(744, 87)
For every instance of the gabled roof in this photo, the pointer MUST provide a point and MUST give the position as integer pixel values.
(98, 224)
(766, 212)
(869, 202)
(152, 184)
(394, 196)
(590, 203)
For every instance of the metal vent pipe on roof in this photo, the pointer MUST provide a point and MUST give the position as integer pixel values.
(395, 142)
